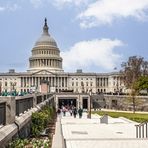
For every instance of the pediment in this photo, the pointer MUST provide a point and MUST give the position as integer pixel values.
(43, 72)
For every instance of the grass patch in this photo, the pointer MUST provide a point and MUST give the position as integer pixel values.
(132, 116)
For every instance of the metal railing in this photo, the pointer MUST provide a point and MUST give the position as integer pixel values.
(142, 130)
(2, 113)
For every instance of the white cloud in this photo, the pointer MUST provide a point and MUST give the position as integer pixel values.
(13, 7)
(61, 3)
(95, 53)
(37, 3)
(2, 8)
(106, 11)
(9, 7)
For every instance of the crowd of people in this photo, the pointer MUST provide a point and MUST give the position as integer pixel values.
(73, 111)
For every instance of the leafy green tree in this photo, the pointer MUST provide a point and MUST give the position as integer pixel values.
(131, 71)
(142, 83)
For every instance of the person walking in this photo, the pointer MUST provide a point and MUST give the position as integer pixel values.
(70, 111)
(64, 111)
(59, 111)
(74, 112)
(80, 111)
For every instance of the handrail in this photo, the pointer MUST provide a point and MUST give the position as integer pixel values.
(142, 130)
(142, 123)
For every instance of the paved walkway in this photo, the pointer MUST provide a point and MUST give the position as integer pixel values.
(90, 133)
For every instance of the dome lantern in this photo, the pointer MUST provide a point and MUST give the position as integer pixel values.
(46, 38)
(45, 28)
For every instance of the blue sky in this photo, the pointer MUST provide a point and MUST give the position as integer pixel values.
(94, 35)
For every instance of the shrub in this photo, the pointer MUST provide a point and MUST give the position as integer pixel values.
(41, 119)
(18, 143)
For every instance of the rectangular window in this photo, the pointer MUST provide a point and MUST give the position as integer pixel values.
(86, 83)
(72, 83)
(91, 83)
(5, 83)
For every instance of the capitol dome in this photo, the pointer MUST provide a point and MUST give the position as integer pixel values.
(45, 53)
(45, 38)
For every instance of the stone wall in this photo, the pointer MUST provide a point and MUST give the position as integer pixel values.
(122, 102)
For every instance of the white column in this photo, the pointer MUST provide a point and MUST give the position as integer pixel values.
(55, 81)
(29, 82)
(64, 82)
(61, 82)
(24, 82)
(40, 62)
(35, 81)
(58, 83)
(106, 81)
(51, 82)
(52, 63)
(46, 63)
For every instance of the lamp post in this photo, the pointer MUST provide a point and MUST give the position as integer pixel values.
(0, 88)
(13, 84)
(90, 94)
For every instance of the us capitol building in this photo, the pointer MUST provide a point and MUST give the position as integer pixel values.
(45, 66)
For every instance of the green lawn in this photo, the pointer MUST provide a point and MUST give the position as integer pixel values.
(135, 117)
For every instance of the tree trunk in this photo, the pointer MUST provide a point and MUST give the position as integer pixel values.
(134, 105)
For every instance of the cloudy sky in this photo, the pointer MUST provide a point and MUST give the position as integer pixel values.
(93, 35)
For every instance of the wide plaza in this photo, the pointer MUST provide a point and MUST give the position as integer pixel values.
(90, 133)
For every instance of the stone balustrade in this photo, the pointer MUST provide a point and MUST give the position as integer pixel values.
(16, 113)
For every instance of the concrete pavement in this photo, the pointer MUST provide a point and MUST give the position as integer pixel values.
(90, 133)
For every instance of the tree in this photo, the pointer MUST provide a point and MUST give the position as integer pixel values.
(145, 68)
(142, 83)
(131, 71)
